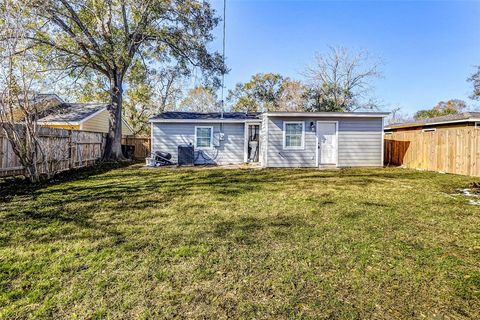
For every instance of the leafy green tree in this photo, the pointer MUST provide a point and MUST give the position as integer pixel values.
(453, 106)
(258, 94)
(267, 92)
(101, 40)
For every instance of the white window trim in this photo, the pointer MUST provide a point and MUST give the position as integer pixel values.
(285, 134)
(429, 130)
(211, 137)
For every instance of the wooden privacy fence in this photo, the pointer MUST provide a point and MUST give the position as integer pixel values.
(142, 146)
(451, 150)
(62, 149)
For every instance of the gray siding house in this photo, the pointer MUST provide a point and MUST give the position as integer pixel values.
(274, 139)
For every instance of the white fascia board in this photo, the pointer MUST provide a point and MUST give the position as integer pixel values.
(430, 123)
(73, 123)
(329, 114)
(127, 125)
(59, 123)
(204, 121)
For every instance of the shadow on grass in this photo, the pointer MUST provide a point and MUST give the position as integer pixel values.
(18, 186)
(119, 192)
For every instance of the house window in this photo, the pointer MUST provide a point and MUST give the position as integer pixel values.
(429, 130)
(477, 125)
(293, 134)
(203, 137)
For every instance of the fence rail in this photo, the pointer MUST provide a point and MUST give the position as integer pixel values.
(62, 149)
(450, 150)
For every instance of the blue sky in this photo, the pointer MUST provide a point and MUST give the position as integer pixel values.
(428, 48)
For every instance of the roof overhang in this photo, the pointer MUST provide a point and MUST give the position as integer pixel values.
(411, 125)
(66, 122)
(205, 120)
(329, 114)
(59, 123)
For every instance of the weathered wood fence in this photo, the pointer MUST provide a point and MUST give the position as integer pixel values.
(450, 150)
(142, 146)
(62, 149)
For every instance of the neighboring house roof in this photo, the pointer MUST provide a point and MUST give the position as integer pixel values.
(451, 118)
(72, 112)
(174, 116)
(48, 97)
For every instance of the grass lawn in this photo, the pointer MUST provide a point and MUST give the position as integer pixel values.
(215, 243)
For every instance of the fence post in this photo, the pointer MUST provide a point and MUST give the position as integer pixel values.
(70, 158)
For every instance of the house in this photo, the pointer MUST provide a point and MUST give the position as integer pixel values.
(459, 120)
(80, 116)
(274, 139)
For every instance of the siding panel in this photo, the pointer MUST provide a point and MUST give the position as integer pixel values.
(360, 143)
(168, 136)
(99, 123)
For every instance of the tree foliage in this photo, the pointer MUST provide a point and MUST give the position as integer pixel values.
(102, 41)
(267, 92)
(292, 96)
(452, 106)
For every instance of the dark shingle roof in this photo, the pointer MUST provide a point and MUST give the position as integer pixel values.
(444, 119)
(171, 115)
(71, 112)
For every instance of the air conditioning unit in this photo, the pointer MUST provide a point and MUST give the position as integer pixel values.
(186, 155)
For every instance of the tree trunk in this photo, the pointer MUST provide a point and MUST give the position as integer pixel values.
(113, 146)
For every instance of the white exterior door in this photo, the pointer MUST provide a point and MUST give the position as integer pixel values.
(327, 142)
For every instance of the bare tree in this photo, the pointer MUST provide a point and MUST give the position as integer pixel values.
(200, 99)
(20, 104)
(475, 79)
(147, 96)
(398, 116)
(341, 81)
(292, 96)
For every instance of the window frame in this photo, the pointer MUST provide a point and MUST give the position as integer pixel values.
(211, 137)
(477, 124)
(302, 146)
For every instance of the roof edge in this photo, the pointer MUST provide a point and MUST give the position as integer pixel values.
(329, 114)
(153, 120)
(410, 125)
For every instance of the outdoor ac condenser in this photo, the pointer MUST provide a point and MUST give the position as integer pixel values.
(186, 155)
